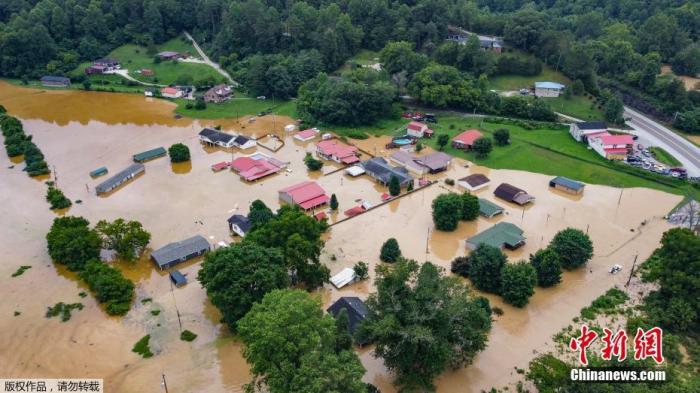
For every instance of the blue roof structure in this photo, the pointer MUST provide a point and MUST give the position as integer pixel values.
(548, 85)
(566, 182)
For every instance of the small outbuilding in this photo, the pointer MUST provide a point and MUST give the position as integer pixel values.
(239, 224)
(344, 277)
(120, 178)
(355, 170)
(503, 234)
(179, 252)
(355, 307)
(306, 135)
(548, 89)
(149, 155)
(178, 278)
(55, 81)
(567, 185)
(474, 182)
(101, 171)
(511, 193)
(466, 140)
(489, 209)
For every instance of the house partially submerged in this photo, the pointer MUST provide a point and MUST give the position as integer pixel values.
(243, 142)
(101, 171)
(115, 181)
(581, 131)
(489, 209)
(55, 81)
(239, 224)
(612, 147)
(430, 163)
(306, 135)
(179, 252)
(256, 166)
(501, 235)
(511, 193)
(466, 140)
(344, 277)
(567, 185)
(382, 172)
(215, 137)
(474, 182)
(417, 129)
(355, 170)
(548, 89)
(307, 195)
(149, 155)
(356, 309)
(337, 151)
(218, 94)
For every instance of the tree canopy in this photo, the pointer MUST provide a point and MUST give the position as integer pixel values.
(518, 282)
(72, 242)
(179, 153)
(485, 265)
(390, 251)
(546, 263)
(573, 247)
(447, 211)
(127, 238)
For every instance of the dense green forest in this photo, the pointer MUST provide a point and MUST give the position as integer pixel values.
(274, 47)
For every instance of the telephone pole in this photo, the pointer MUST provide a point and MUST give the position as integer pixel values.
(632, 271)
(165, 385)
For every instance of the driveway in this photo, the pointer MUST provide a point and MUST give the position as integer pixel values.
(206, 60)
(658, 135)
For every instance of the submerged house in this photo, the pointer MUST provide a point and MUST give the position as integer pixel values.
(118, 179)
(307, 195)
(489, 209)
(567, 185)
(306, 135)
(149, 155)
(382, 172)
(511, 193)
(215, 137)
(335, 150)
(177, 278)
(256, 166)
(354, 306)
(243, 142)
(179, 252)
(344, 277)
(474, 182)
(430, 163)
(501, 235)
(239, 224)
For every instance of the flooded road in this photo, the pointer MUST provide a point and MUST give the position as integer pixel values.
(81, 131)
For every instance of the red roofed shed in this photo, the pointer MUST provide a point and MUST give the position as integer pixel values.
(307, 195)
(466, 139)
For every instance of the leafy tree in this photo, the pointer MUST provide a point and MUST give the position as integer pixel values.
(127, 238)
(573, 247)
(312, 164)
(87, 85)
(298, 237)
(109, 285)
(334, 202)
(259, 214)
(343, 339)
(199, 104)
(502, 136)
(423, 322)
(390, 251)
(687, 62)
(56, 198)
(518, 282)
(613, 110)
(460, 265)
(470, 207)
(577, 87)
(401, 56)
(443, 140)
(292, 320)
(179, 153)
(361, 270)
(184, 80)
(485, 265)
(482, 147)
(524, 28)
(240, 275)
(71, 242)
(394, 186)
(447, 211)
(546, 262)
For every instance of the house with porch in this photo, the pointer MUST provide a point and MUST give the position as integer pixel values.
(417, 129)
(307, 195)
(382, 172)
(211, 136)
(465, 140)
(335, 150)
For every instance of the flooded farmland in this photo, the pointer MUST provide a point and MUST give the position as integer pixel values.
(80, 131)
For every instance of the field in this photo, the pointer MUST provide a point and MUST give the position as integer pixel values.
(664, 157)
(134, 58)
(516, 82)
(240, 105)
(577, 106)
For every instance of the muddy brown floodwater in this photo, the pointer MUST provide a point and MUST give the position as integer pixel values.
(79, 131)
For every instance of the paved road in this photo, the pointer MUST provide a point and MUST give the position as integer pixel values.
(683, 150)
(208, 61)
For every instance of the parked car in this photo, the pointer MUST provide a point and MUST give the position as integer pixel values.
(524, 92)
(431, 118)
(635, 137)
(640, 147)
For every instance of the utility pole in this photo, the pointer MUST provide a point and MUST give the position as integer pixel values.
(427, 240)
(55, 176)
(632, 270)
(165, 385)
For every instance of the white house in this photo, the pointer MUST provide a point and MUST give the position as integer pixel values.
(171, 92)
(584, 130)
(548, 89)
(612, 147)
(215, 137)
(418, 130)
(243, 142)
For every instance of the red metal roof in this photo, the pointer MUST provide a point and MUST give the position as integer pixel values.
(616, 139)
(350, 159)
(169, 90)
(354, 211)
(306, 134)
(221, 165)
(416, 126)
(468, 137)
(336, 148)
(385, 196)
(307, 194)
(619, 150)
(251, 169)
(241, 164)
(320, 216)
(315, 202)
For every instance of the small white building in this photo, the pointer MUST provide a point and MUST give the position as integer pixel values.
(417, 129)
(243, 142)
(474, 182)
(582, 131)
(238, 224)
(355, 170)
(548, 89)
(344, 277)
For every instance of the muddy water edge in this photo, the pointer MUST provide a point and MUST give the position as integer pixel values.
(80, 131)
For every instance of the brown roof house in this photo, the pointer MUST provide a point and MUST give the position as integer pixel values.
(513, 194)
(218, 94)
(474, 182)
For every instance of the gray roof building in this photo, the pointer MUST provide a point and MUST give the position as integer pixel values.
(125, 175)
(51, 80)
(216, 137)
(380, 169)
(356, 309)
(239, 224)
(179, 252)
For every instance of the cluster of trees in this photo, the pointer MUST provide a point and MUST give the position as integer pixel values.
(423, 322)
(73, 243)
(56, 199)
(340, 100)
(179, 153)
(281, 250)
(127, 239)
(18, 143)
(489, 270)
(449, 209)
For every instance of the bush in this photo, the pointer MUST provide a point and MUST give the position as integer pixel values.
(62, 309)
(482, 147)
(502, 136)
(518, 282)
(390, 251)
(141, 347)
(573, 247)
(311, 163)
(485, 265)
(109, 285)
(394, 186)
(179, 153)
(460, 265)
(361, 270)
(56, 199)
(470, 207)
(187, 335)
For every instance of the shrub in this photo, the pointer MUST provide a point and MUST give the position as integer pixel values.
(390, 251)
(63, 309)
(179, 153)
(482, 147)
(187, 335)
(518, 282)
(546, 263)
(361, 270)
(447, 211)
(470, 207)
(109, 285)
(311, 163)
(71, 242)
(56, 198)
(573, 247)
(502, 136)
(141, 347)
(485, 265)
(460, 265)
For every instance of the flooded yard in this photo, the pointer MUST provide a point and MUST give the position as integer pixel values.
(81, 131)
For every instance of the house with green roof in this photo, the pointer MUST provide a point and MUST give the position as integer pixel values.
(503, 234)
(150, 154)
(489, 209)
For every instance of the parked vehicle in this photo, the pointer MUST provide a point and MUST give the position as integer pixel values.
(431, 118)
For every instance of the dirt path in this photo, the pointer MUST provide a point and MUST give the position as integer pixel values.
(210, 63)
(125, 74)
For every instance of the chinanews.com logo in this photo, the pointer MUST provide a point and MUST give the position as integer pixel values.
(647, 345)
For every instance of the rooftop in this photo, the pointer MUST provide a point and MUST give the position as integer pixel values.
(356, 309)
(475, 179)
(592, 125)
(548, 85)
(216, 136)
(334, 147)
(468, 137)
(306, 194)
(568, 183)
(488, 208)
(240, 221)
(150, 154)
(381, 169)
(178, 250)
(616, 139)
(499, 235)
(119, 177)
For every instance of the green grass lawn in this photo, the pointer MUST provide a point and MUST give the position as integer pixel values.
(577, 106)
(516, 82)
(240, 105)
(664, 157)
(363, 57)
(135, 58)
